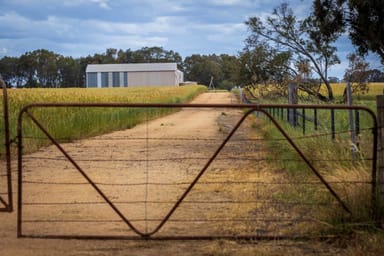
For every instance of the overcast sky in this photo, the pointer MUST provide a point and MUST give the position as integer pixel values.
(79, 28)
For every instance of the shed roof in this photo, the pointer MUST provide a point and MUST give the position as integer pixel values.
(131, 67)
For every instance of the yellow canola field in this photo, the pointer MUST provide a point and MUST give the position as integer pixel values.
(74, 123)
(338, 88)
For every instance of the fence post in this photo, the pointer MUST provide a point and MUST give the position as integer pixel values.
(380, 153)
(292, 99)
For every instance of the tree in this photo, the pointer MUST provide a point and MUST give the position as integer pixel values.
(83, 62)
(46, 68)
(361, 18)
(155, 54)
(333, 79)
(375, 76)
(357, 74)
(230, 66)
(201, 68)
(9, 71)
(124, 56)
(254, 63)
(262, 66)
(224, 69)
(69, 71)
(27, 70)
(110, 56)
(285, 33)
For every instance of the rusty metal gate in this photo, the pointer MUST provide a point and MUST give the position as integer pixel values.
(153, 184)
(6, 199)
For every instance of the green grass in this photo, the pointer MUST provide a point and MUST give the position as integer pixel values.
(71, 123)
(333, 158)
(349, 179)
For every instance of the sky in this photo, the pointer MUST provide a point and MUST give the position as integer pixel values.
(79, 28)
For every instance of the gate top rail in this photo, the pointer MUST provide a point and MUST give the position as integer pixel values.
(194, 105)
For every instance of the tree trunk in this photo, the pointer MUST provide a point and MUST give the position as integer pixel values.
(330, 91)
(314, 93)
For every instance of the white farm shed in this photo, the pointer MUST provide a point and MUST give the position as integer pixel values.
(137, 74)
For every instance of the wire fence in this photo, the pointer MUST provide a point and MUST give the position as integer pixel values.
(310, 120)
(173, 180)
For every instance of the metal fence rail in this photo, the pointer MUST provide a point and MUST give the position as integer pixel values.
(307, 118)
(201, 195)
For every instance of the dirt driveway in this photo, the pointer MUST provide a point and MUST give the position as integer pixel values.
(138, 176)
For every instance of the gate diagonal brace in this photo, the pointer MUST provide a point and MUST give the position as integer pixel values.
(106, 199)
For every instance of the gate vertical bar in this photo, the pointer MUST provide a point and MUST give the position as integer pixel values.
(357, 127)
(333, 123)
(282, 114)
(7, 146)
(380, 117)
(303, 118)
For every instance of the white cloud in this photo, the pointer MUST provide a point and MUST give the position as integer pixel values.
(169, 5)
(229, 2)
(102, 3)
(302, 9)
(74, 2)
(158, 25)
(71, 27)
(75, 35)
(221, 32)
(71, 3)
(17, 26)
(3, 51)
(13, 21)
(103, 42)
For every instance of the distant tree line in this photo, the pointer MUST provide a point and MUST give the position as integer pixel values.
(43, 68)
(47, 69)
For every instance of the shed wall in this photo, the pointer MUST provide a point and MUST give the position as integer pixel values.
(125, 75)
(162, 78)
